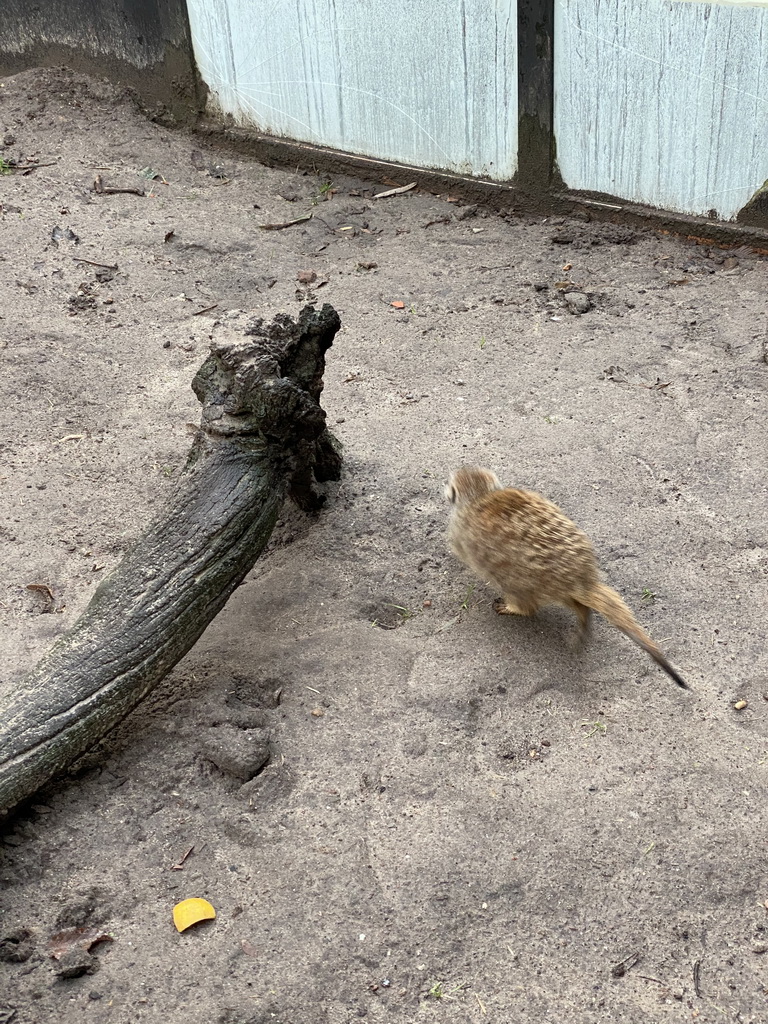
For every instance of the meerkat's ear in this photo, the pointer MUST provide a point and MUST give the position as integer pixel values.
(450, 492)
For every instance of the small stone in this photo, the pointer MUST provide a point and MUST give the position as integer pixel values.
(306, 276)
(17, 947)
(426, 604)
(740, 705)
(317, 712)
(762, 948)
(241, 753)
(76, 962)
(577, 302)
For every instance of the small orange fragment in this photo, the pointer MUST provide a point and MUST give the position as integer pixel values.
(192, 911)
(397, 304)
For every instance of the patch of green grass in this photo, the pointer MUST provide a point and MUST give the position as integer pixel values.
(5, 167)
(323, 193)
(648, 595)
(465, 603)
(483, 341)
(439, 991)
(402, 611)
(596, 728)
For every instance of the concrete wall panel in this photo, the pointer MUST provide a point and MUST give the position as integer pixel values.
(663, 102)
(433, 84)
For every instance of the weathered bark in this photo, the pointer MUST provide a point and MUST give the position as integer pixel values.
(262, 436)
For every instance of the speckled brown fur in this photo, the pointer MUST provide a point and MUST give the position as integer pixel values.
(534, 554)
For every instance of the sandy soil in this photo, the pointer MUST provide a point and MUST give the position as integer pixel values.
(463, 818)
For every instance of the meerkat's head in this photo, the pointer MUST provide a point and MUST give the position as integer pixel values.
(470, 483)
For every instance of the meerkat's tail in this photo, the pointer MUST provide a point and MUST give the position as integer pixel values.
(605, 600)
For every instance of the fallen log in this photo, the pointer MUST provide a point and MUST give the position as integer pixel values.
(262, 436)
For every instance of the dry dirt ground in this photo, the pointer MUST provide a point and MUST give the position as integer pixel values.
(463, 818)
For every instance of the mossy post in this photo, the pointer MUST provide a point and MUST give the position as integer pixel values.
(262, 436)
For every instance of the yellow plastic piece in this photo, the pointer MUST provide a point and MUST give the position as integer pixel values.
(192, 911)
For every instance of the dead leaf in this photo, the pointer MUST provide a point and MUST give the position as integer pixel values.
(285, 224)
(42, 588)
(192, 911)
(180, 865)
(568, 266)
(395, 191)
(397, 304)
(76, 938)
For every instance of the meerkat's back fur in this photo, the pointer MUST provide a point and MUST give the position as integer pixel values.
(530, 550)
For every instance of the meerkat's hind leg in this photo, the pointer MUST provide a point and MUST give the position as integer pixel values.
(509, 605)
(584, 613)
(585, 621)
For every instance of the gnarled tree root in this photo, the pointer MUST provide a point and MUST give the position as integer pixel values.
(262, 436)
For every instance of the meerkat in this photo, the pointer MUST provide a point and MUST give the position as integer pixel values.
(526, 546)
